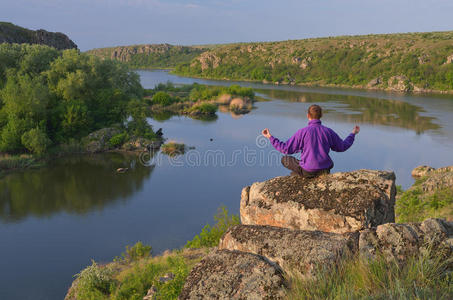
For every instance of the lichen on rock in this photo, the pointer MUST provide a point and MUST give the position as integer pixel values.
(340, 202)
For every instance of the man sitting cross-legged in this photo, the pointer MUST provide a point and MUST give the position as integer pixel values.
(315, 142)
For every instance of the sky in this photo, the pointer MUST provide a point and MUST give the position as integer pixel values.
(103, 23)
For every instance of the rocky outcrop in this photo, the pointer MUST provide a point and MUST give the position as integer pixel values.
(234, 275)
(401, 241)
(291, 249)
(10, 33)
(433, 179)
(98, 141)
(340, 202)
(399, 83)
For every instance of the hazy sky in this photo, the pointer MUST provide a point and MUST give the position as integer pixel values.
(102, 23)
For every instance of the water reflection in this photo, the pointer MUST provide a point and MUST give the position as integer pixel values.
(365, 110)
(73, 185)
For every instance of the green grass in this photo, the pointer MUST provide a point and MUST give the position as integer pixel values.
(173, 148)
(415, 206)
(426, 276)
(15, 162)
(210, 235)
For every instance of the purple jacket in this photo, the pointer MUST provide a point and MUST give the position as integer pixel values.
(315, 142)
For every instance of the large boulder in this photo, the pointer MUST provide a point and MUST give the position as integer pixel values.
(97, 141)
(401, 241)
(340, 202)
(227, 274)
(293, 250)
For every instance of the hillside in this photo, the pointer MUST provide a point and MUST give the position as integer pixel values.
(10, 33)
(149, 56)
(401, 62)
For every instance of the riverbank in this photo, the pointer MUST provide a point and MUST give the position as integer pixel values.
(398, 272)
(323, 85)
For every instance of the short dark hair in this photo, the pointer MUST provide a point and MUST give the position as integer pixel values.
(315, 112)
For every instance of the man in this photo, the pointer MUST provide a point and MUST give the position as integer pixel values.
(314, 141)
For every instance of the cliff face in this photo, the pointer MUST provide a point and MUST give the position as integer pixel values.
(10, 33)
(149, 56)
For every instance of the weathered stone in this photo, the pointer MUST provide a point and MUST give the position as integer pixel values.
(421, 171)
(399, 83)
(224, 99)
(374, 82)
(340, 202)
(97, 141)
(293, 250)
(234, 275)
(400, 241)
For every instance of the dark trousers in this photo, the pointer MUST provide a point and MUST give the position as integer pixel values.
(292, 164)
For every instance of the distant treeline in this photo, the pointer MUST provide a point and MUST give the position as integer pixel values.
(405, 62)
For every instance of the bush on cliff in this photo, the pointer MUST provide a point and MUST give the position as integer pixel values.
(210, 235)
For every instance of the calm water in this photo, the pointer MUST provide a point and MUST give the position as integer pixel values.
(55, 219)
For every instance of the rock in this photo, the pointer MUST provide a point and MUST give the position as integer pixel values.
(122, 170)
(224, 99)
(449, 60)
(292, 249)
(399, 83)
(141, 144)
(436, 179)
(167, 277)
(239, 106)
(400, 241)
(374, 82)
(340, 202)
(97, 141)
(234, 275)
(422, 171)
(10, 33)
(150, 295)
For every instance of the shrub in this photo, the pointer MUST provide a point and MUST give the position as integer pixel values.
(210, 235)
(204, 109)
(136, 252)
(95, 282)
(36, 141)
(162, 98)
(117, 140)
(173, 148)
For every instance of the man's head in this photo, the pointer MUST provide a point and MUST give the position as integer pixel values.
(314, 112)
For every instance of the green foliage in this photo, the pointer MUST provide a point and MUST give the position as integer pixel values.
(95, 282)
(36, 141)
(203, 108)
(423, 277)
(48, 97)
(415, 206)
(162, 98)
(136, 252)
(350, 61)
(118, 140)
(210, 235)
(173, 148)
(136, 284)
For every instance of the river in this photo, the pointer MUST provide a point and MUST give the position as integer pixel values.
(55, 219)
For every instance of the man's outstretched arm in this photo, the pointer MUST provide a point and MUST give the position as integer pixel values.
(340, 145)
(289, 147)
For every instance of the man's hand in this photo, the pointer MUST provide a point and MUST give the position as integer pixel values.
(356, 129)
(266, 133)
